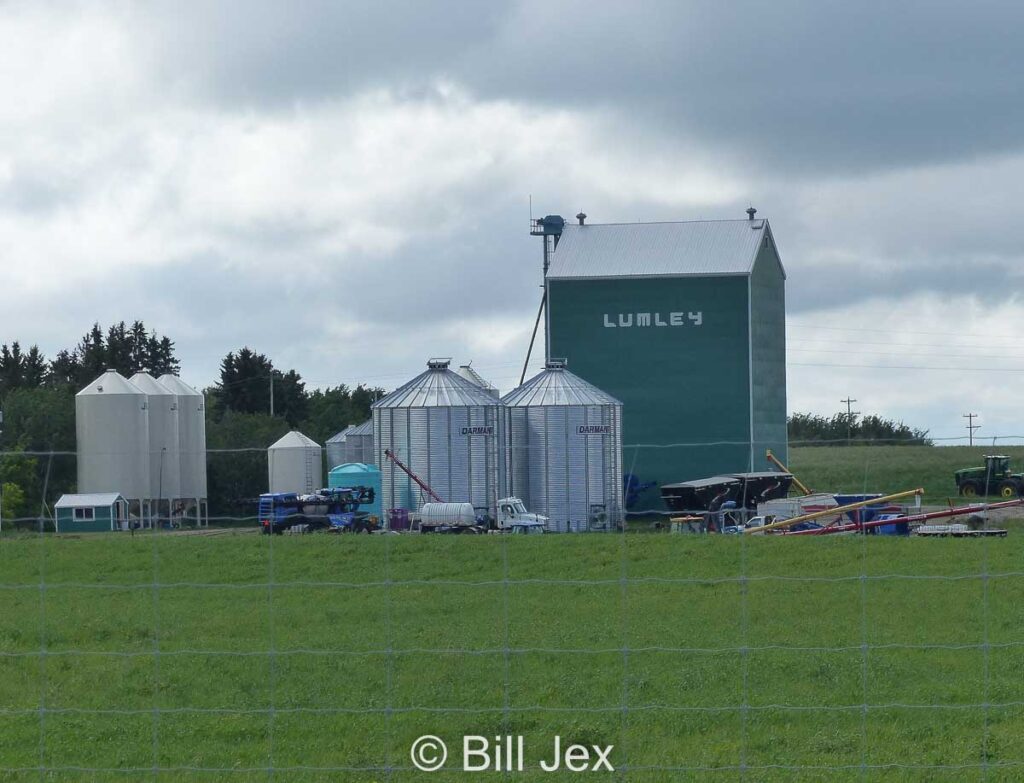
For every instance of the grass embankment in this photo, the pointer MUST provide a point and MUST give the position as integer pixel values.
(892, 468)
(651, 643)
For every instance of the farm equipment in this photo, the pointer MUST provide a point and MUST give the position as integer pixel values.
(901, 520)
(778, 463)
(994, 477)
(745, 490)
(334, 509)
(787, 523)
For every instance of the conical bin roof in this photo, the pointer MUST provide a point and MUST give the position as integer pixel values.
(555, 385)
(437, 387)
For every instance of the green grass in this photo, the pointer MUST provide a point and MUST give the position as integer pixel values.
(717, 672)
(892, 468)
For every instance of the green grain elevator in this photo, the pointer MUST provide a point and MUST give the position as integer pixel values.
(685, 323)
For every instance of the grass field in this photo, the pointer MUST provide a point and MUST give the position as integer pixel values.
(892, 468)
(189, 658)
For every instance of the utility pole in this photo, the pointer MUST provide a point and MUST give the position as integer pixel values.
(850, 413)
(971, 426)
(271, 395)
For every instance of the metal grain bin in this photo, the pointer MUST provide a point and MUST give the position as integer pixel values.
(466, 371)
(359, 443)
(164, 457)
(112, 434)
(191, 436)
(565, 450)
(449, 432)
(335, 445)
(295, 464)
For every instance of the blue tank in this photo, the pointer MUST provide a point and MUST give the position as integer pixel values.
(358, 474)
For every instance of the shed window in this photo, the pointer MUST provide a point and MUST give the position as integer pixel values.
(84, 514)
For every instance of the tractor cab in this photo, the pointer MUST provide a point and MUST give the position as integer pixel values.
(996, 465)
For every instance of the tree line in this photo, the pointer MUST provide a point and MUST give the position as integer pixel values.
(37, 398)
(808, 429)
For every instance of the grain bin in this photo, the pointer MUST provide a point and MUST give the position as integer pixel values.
(164, 439)
(191, 437)
(112, 434)
(335, 446)
(295, 464)
(449, 432)
(565, 450)
(359, 443)
(466, 371)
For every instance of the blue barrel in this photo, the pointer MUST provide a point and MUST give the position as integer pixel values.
(358, 474)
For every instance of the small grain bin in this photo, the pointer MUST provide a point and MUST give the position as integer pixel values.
(358, 474)
(191, 442)
(359, 443)
(335, 447)
(112, 434)
(446, 430)
(295, 464)
(565, 450)
(164, 440)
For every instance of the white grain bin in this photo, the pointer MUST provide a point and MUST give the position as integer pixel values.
(446, 430)
(565, 450)
(164, 438)
(191, 437)
(466, 371)
(295, 464)
(335, 446)
(112, 434)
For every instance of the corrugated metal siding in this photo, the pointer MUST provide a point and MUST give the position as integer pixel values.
(768, 363)
(709, 247)
(570, 477)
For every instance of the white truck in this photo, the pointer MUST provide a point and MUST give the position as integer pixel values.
(787, 508)
(463, 518)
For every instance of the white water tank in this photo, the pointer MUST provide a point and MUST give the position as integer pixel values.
(112, 436)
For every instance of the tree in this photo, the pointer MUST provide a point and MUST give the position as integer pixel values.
(245, 387)
(13, 504)
(840, 430)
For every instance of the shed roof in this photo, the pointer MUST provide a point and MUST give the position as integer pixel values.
(95, 499)
(699, 247)
(555, 385)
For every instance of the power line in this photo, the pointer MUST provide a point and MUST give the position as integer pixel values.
(971, 426)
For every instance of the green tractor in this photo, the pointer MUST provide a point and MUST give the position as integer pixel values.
(994, 478)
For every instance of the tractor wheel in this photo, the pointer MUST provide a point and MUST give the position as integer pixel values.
(1008, 490)
(969, 489)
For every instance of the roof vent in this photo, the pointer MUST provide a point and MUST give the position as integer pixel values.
(750, 213)
(555, 364)
(438, 364)
(581, 216)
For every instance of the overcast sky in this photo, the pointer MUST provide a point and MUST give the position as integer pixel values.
(345, 186)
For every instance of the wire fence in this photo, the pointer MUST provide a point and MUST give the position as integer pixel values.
(169, 656)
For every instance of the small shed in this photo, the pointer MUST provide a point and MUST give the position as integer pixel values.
(92, 513)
